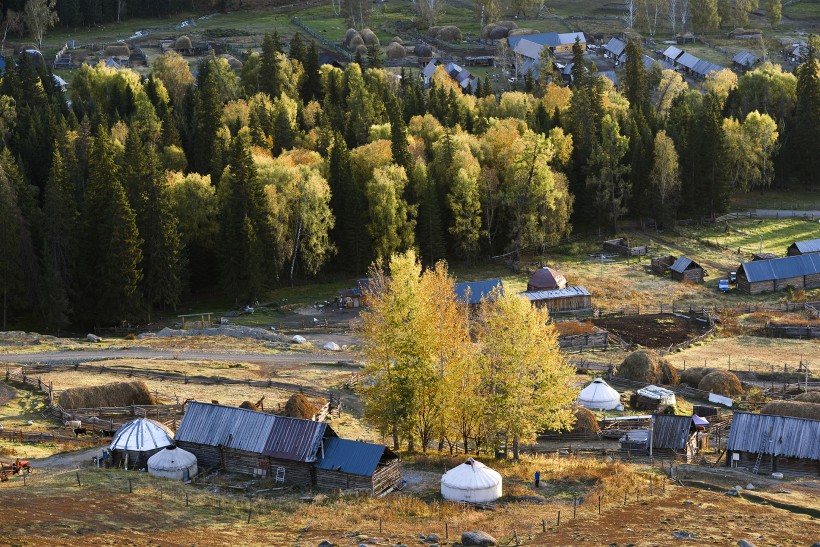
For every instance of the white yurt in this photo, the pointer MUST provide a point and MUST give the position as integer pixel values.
(471, 481)
(138, 440)
(173, 463)
(598, 395)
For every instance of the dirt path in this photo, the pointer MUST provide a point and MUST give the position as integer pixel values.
(667, 243)
(66, 460)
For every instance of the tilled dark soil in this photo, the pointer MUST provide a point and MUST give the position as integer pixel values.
(652, 331)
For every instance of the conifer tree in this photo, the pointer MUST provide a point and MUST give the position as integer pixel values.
(297, 49)
(606, 178)
(398, 134)
(346, 196)
(110, 246)
(807, 119)
(636, 81)
(11, 245)
(312, 83)
(269, 72)
(207, 120)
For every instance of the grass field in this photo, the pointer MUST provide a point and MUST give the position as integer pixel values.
(781, 199)
(802, 9)
(757, 235)
(749, 353)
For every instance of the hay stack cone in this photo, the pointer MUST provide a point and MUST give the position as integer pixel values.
(351, 32)
(692, 376)
(119, 50)
(370, 38)
(183, 43)
(646, 366)
(810, 397)
(795, 409)
(299, 406)
(396, 51)
(721, 382)
(585, 421)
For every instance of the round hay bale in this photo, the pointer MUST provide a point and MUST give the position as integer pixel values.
(692, 376)
(396, 51)
(494, 32)
(809, 397)
(398, 40)
(522, 32)
(361, 50)
(795, 409)
(233, 62)
(449, 33)
(508, 24)
(646, 366)
(118, 49)
(423, 50)
(351, 32)
(585, 421)
(356, 42)
(721, 382)
(115, 394)
(183, 42)
(370, 38)
(299, 406)
(249, 405)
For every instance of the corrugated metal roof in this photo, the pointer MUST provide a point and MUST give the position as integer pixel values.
(781, 268)
(808, 246)
(688, 60)
(793, 437)
(354, 457)
(528, 48)
(566, 292)
(295, 439)
(682, 263)
(568, 38)
(672, 52)
(142, 435)
(477, 290)
(615, 46)
(745, 58)
(231, 427)
(429, 69)
(671, 431)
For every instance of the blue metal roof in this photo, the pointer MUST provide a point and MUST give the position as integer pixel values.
(477, 290)
(745, 58)
(353, 457)
(615, 46)
(781, 268)
(682, 263)
(808, 246)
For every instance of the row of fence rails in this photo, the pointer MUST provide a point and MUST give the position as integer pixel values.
(324, 41)
(687, 343)
(813, 308)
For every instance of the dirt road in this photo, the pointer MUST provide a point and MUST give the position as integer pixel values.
(138, 353)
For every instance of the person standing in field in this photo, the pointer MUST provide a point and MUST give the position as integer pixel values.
(537, 479)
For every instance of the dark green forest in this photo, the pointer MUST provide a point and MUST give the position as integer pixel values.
(127, 194)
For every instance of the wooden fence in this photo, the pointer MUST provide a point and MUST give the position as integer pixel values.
(791, 331)
(584, 342)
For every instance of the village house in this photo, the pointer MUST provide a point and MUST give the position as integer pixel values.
(786, 443)
(685, 269)
(460, 75)
(800, 272)
(473, 292)
(527, 48)
(745, 60)
(804, 247)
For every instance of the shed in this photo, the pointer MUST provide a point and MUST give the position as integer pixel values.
(786, 442)
(138, 440)
(614, 48)
(676, 435)
(652, 397)
(686, 269)
(804, 247)
(745, 60)
(357, 465)
(473, 482)
(598, 395)
(688, 61)
(472, 292)
(546, 279)
(567, 299)
(357, 296)
(245, 441)
(800, 272)
(672, 54)
(173, 463)
(662, 263)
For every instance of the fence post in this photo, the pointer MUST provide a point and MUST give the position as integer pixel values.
(599, 504)
(78, 479)
(574, 505)
(559, 519)
(130, 488)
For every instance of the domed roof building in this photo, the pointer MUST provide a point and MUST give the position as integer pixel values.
(173, 463)
(546, 279)
(138, 440)
(472, 481)
(598, 395)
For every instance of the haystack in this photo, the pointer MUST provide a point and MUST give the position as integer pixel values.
(109, 395)
(795, 409)
(233, 62)
(351, 32)
(183, 43)
(721, 382)
(120, 50)
(646, 366)
(249, 405)
(370, 38)
(423, 50)
(361, 50)
(299, 406)
(692, 376)
(449, 33)
(398, 40)
(585, 421)
(810, 397)
(522, 31)
(396, 51)
(355, 42)
(494, 32)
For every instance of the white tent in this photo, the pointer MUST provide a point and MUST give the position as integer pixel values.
(173, 463)
(142, 435)
(599, 396)
(471, 481)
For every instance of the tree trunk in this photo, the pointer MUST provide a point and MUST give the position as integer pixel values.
(515, 447)
(395, 439)
(295, 250)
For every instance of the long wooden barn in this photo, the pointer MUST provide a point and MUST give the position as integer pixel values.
(568, 299)
(800, 272)
(788, 444)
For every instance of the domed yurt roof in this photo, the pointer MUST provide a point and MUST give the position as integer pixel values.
(546, 279)
(471, 481)
(599, 396)
(142, 435)
(172, 463)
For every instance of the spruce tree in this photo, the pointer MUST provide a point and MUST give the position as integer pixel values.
(110, 245)
(207, 120)
(636, 80)
(807, 124)
(312, 83)
(348, 201)
(11, 246)
(297, 49)
(398, 133)
(269, 73)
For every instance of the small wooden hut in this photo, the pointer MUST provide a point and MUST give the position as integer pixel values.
(546, 279)
(662, 263)
(675, 436)
(568, 299)
(804, 247)
(356, 465)
(686, 269)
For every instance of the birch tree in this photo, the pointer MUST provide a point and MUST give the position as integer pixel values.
(39, 16)
(665, 175)
(672, 14)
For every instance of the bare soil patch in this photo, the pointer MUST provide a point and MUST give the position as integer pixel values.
(652, 331)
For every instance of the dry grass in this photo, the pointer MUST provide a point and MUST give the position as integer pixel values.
(721, 382)
(109, 395)
(796, 409)
(571, 328)
(747, 353)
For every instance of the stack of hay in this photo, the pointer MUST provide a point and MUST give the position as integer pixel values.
(117, 394)
(349, 36)
(647, 366)
(396, 49)
(370, 38)
(810, 397)
(795, 409)
(585, 422)
(299, 406)
(183, 43)
(713, 380)
(497, 31)
(248, 405)
(118, 50)
(449, 33)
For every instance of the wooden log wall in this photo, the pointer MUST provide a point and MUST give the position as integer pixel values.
(207, 457)
(338, 480)
(296, 473)
(386, 476)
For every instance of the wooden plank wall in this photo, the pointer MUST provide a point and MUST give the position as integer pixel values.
(386, 476)
(207, 457)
